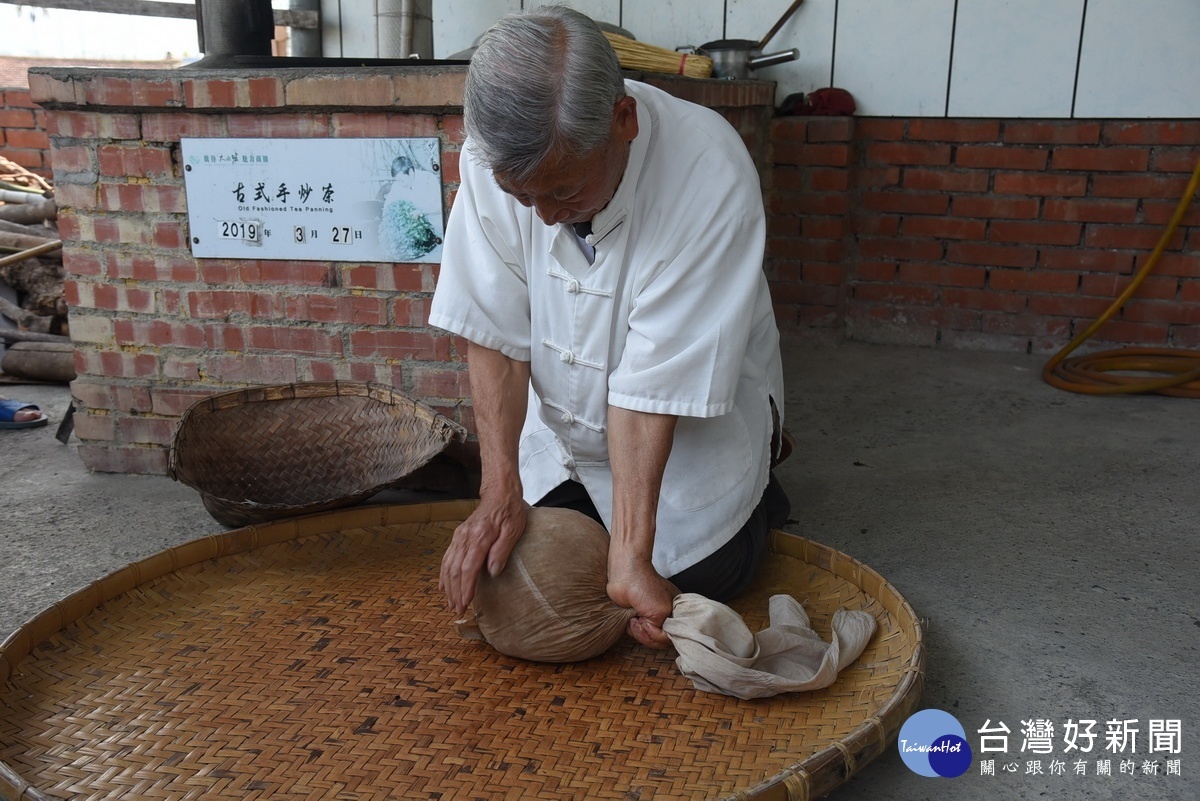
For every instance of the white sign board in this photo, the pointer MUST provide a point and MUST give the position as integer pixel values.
(314, 199)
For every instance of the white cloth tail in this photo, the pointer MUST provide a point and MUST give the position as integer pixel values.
(719, 654)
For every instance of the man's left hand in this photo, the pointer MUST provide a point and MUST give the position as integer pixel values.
(638, 586)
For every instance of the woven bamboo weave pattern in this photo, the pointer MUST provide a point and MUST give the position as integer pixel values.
(314, 658)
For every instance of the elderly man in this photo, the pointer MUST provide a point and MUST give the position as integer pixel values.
(604, 259)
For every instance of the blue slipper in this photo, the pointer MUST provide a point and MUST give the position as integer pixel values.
(9, 409)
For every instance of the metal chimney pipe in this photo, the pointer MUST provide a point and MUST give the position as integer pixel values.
(235, 27)
(306, 41)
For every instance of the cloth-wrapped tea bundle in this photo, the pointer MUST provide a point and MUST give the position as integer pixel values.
(550, 603)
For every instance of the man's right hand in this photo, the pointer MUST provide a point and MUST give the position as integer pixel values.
(483, 540)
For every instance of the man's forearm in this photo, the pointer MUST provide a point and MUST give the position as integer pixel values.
(500, 394)
(638, 445)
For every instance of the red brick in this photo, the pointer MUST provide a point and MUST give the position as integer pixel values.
(829, 129)
(392, 277)
(946, 180)
(453, 128)
(74, 158)
(1111, 159)
(907, 249)
(991, 255)
(1185, 265)
(220, 336)
(1032, 281)
(879, 128)
(1110, 286)
(158, 333)
(16, 118)
(170, 235)
(136, 459)
(77, 261)
(1173, 160)
(829, 180)
(1067, 306)
(136, 162)
(877, 177)
(18, 98)
(450, 172)
(1128, 333)
(877, 225)
(251, 369)
(1065, 132)
(221, 304)
(174, 402)
(1133, 237)
(76, 196)
(410, 312)
(803, 294)
(983, 299)
(954, 130)
(824, 227)
(1035, 233)
(945, 227)
(31, 159)
(896, 293)
(994, 208)
(142, 197)
(837, 155)
(148, 430)
(1006, 157)
(1018, 183)
(289, 273)
(95, 427)
(123, 299)
(297, 340)
(29, 140)
(905, 202)
(904, 153)
(356, 310)
(93, 125)
(383, 124)
(1025, 325)
(1110, 211)
(827, 274)
(115, 364)
(880, 271)
(171, 127)
(112, 91)
(808, 203)
(806, 249)
(265, 92)
(283, 126)
(1085, 260)
(399, 345)
(1174, 132)
(1138, 186)
(942, 275)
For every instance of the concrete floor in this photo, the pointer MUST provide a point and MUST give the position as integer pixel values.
(1048, 538)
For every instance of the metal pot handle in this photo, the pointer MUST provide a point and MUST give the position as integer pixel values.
(771, 59)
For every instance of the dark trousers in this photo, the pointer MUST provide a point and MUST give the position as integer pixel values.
(726, 573)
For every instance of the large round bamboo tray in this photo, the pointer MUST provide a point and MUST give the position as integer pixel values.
(314, 658)
(267, 453)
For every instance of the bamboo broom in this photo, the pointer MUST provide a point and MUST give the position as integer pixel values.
(636, 55)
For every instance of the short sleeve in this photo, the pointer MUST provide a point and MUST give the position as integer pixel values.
(482, 291)
(693, 314)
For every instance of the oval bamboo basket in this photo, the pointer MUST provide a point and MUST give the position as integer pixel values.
(314, 658)
(266, 453)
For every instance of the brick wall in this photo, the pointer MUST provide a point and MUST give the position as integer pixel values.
(155, 329)
(1000, 235)
(23, 138)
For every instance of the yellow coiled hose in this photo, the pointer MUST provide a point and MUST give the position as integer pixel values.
(1100, 373)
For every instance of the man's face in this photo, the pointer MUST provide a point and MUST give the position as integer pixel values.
(573, 190)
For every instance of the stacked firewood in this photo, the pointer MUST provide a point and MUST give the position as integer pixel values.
(33, 313)
(30, 255)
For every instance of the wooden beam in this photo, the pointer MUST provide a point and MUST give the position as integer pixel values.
(307, 20)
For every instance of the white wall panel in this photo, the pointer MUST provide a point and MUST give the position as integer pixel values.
(673, 23)
(599, 10)
(1140, 59)
(1015, 58)
(810, 29)
(348, 29)
(894, 57)
(457, 23)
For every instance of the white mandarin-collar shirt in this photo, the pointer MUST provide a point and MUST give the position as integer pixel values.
(672, 317)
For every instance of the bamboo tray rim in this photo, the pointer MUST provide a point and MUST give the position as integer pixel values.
(810, 778)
